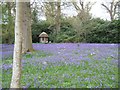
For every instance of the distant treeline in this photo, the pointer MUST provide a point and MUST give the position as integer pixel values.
(95, 31)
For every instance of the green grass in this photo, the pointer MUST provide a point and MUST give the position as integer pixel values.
(37, 54)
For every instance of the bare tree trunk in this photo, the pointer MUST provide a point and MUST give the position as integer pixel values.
(58, 17)
(29, 29)
(25, 28)
(27, 35)
(119, 9)
(16, 73)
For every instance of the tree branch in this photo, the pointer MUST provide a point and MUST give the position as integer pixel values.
(76, 6)
(106, 7)
(81, 4)
(115, 6)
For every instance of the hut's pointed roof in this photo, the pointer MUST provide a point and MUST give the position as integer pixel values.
(43, 34)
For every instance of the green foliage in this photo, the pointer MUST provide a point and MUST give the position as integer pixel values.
(7, 37)
(7, 23)
(92, 31)
(38, 28)
(105, 32)
(67, 33)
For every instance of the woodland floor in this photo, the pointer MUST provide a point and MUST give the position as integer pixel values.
(65, 65)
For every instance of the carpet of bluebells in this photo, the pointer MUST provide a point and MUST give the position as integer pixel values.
(65, 65)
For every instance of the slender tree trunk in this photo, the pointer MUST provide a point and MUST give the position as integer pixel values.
(16, 73)
(58, 17)
(111, 16)
(119, 10)
(9, 22)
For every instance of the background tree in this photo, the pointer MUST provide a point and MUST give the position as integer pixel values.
(34, 12)
(83, 16)
(83, 9)
(111, 9)
(53, 15)
(58, 16)
(49, 10)
(8, 22)
(118, 9)
(27, 34)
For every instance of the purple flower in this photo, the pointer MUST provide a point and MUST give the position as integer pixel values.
(7, 66)
(68, 53)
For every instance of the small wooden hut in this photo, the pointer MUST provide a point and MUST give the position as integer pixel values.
(43, 37)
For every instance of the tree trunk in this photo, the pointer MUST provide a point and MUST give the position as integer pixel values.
(16, 73)
(119, 10)
(58, 17)
(25, 28)
(27, 35)
(29, 29)
(9, 22)
(111, 16)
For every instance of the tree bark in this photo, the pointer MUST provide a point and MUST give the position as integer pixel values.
(58, 17)
(25, 28)
(29, 29)
(118, 9)
(27, 35)
(16, 70)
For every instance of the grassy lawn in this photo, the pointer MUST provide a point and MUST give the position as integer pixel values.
(37, 73)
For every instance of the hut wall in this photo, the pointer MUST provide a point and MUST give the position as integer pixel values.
(44, 40)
